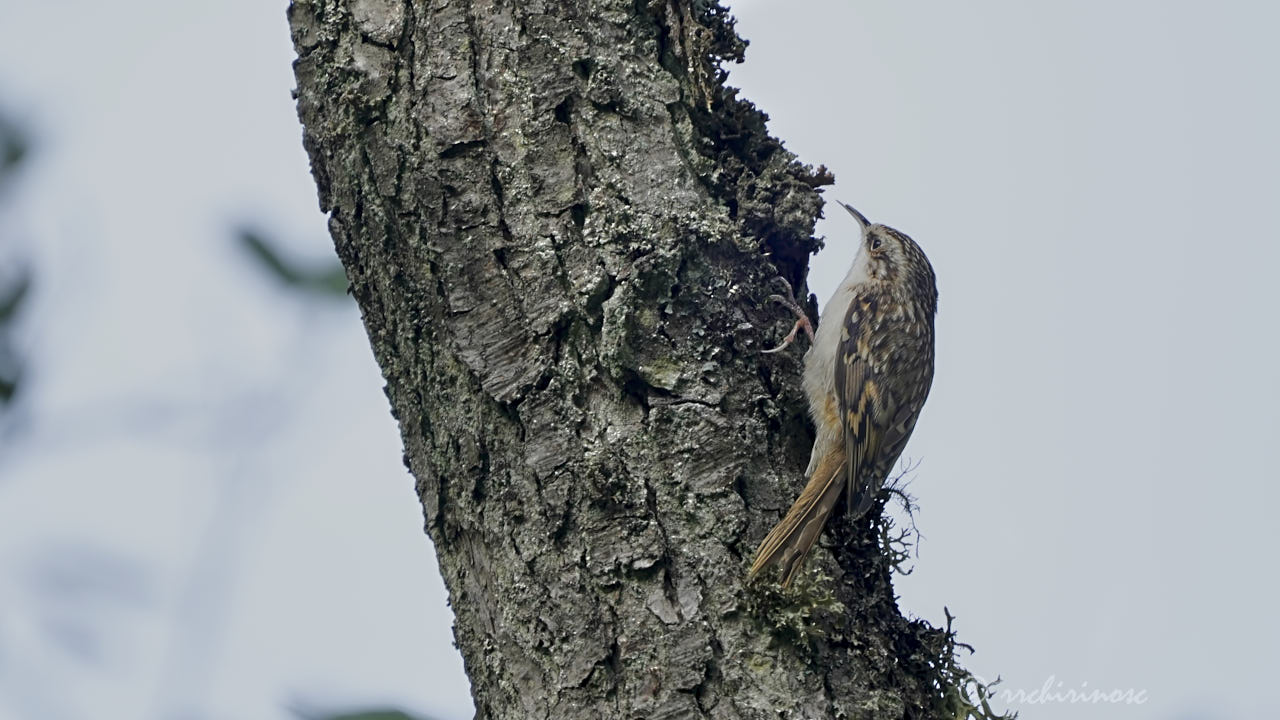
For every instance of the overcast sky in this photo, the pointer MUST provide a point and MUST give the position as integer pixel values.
(203, 512)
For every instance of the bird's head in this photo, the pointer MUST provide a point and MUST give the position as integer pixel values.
(894, 259)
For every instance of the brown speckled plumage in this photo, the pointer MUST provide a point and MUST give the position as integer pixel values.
(866, 377)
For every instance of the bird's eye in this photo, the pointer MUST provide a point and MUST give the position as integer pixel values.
(875, 242)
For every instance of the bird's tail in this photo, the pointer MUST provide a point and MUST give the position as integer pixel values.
(790, 541)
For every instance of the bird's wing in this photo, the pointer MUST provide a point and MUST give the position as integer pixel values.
(865, 406)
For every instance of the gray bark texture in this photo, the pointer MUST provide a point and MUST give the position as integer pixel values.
(562, 231)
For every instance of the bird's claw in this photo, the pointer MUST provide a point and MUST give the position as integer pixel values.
(802, 319)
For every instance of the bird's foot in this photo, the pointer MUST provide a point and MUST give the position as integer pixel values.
(802, 319)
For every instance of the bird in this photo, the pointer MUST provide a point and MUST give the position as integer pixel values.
(867, 374)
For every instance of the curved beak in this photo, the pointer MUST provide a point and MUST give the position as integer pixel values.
(862, 219)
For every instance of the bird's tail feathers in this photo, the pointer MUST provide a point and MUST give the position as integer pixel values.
(790, 541)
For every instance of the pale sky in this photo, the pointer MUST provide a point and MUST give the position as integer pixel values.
(204, 512)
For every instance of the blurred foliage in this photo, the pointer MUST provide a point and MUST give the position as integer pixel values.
(73, 583)
(15, 145)
(15, 282)
(13, 294)
(328, 280)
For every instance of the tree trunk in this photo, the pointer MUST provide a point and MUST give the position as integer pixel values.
(562, 231)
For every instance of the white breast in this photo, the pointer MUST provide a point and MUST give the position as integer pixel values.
(820, 360)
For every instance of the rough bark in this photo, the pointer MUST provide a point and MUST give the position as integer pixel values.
(561, 230)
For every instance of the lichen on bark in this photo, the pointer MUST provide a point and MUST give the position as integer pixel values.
(561, 229)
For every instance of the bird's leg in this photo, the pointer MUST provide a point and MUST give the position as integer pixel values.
(802, 319)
